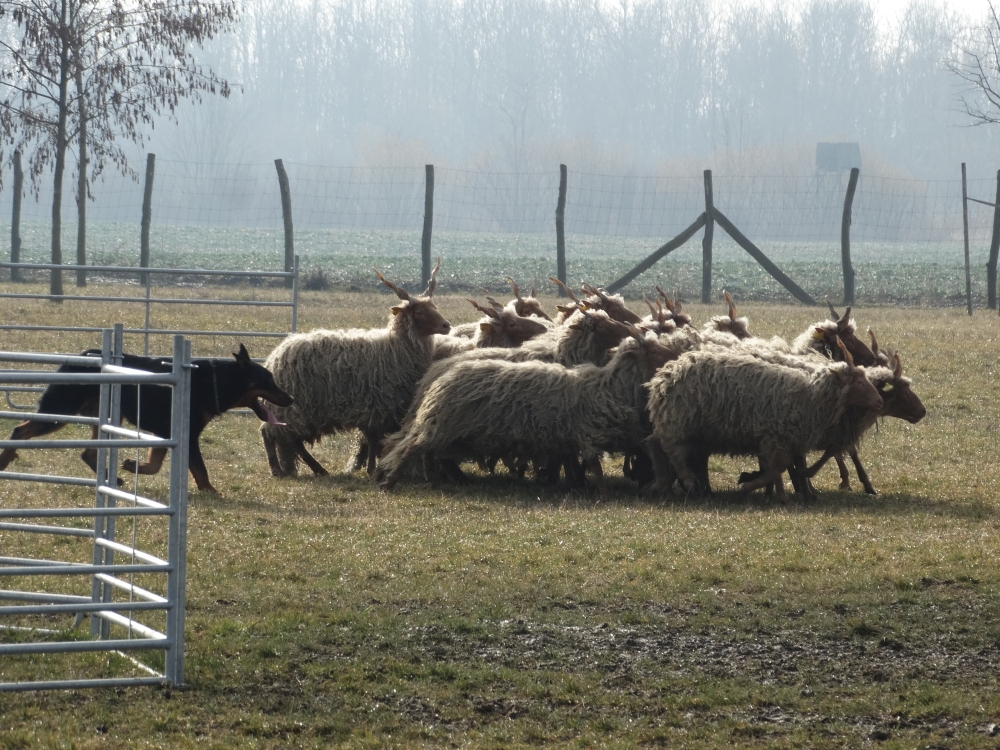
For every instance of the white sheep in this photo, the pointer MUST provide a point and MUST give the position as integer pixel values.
(347, 379)
(717, 401)
(497, 407)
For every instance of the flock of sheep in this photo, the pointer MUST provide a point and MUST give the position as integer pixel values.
(554, 395)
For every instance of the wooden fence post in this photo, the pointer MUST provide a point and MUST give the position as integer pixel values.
(845, 237)
(664, 250)
(991, 266)
(15, 219)
(425, 240)
(706, 243)
(965, 229)
(561, 230)
(286, 215)
(147, 216)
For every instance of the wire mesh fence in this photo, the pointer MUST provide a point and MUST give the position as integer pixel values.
(906, 234)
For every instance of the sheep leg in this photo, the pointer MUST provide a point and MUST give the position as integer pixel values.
(678, 454)
(452, 470)
(773, 465)
(271, 451)
(373, 439)
(862, 474)
(845, 476)
(307, 457)
(663, 470)
(360, 457)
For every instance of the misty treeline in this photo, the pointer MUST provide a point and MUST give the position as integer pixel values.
(644, 86)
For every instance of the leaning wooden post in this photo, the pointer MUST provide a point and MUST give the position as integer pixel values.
(706, 243)
(147, 216)
(991, 266)
(965, 230)
(286, 215)
(561, 230)
(425, 240)
(15, 219)
(845, 237)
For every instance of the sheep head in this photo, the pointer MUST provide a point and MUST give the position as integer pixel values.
(612, 305)
(860, 390)
(843, 329)
(529, 305)
(898, 398)
(420, 312)
(606, 332)
(654, 354)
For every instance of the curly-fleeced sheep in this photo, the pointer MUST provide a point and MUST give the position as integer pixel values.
(716, 401)
(347, 379)
(532, 408)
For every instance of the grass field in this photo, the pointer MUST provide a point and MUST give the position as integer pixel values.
(323, 612)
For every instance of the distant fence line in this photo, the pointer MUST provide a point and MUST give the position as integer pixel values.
(766, 209)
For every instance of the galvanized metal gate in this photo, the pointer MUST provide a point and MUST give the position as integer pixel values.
(110, 579)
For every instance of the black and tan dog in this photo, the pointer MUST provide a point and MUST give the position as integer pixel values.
(216, 387)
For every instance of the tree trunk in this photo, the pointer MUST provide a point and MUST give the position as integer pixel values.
(55, 282)
(81, 186)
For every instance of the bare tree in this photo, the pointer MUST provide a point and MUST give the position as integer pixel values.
(979, 67)
(131, 63)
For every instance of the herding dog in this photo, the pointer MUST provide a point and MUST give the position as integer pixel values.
(216, 387)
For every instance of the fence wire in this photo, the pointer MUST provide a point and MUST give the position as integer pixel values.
(906, 234)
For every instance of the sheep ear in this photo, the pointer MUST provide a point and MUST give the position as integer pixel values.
(564, 308)
(484, 327)
(634, 332)
(396, 310)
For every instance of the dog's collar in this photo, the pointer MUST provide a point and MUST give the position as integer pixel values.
(215, 388)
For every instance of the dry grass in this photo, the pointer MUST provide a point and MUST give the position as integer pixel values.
(323, 612)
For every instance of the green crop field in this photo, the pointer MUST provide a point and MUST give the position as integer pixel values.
(500, 613)
(914, 273)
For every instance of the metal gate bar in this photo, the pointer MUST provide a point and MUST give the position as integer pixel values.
(105, 574)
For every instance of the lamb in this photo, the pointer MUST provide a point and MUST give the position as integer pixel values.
(532, 408)
(356, 378)
(718, 401)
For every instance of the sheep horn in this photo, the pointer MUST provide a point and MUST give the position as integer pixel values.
(432, 283)
(496, 305)
(513, 285)
(847, 355)
(569, 292)
(400, 292)
(897, 369)
(532, 291)
(634, 332)
(666, 299)
(649, 304)
(732, 305)
(485, 310)
(845, 319)
(834, 315)
(871, 335)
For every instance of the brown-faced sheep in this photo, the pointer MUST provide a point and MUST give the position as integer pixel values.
(531, 408)
(348, 379)
(717, 401)
(501, 327)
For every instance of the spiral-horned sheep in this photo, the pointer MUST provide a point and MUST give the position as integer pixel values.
(898, 400)
(501, 327)
(347, 379)
(717, 401)
(532, 408)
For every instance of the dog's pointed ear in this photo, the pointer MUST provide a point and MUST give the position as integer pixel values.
(242, 356)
